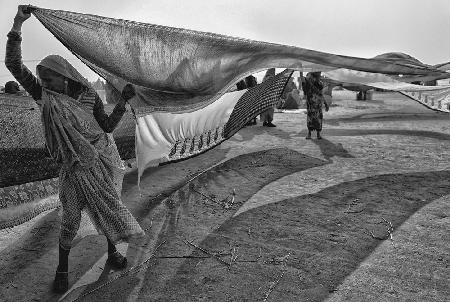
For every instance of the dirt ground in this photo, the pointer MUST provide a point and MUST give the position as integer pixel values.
(361, 215)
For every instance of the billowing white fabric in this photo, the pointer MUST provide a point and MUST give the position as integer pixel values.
(157, 132)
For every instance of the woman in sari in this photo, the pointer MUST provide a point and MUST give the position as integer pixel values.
(312, 88)
(267, 116)
(78, 135)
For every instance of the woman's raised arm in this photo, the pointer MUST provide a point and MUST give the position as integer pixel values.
(13, 57)
(109, 123)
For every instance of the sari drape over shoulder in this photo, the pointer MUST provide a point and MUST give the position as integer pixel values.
(91, 173)
(76, 136)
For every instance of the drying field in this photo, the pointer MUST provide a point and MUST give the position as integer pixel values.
(362, 215)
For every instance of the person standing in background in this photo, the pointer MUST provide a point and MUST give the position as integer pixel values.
(312, 87)
(267, 116)
(250, 82)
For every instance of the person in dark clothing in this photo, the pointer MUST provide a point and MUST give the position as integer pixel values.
(251, 81)
(267, 116)
(248, 82)
(312, 87)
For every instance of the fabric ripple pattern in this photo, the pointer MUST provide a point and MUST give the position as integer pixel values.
(163, 137)
(180, 70)
(182, 77)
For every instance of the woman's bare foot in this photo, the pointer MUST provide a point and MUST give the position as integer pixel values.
(318, 135)
(309, 135)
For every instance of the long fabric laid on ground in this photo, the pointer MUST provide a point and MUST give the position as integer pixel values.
(433, 97)
(181, 72)
(402, 58)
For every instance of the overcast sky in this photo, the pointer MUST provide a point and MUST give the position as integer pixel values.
(362, 28)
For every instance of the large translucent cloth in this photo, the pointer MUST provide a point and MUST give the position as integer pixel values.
(184, 69)
(179, 72)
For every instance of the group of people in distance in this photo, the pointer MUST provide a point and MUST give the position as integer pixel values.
(312, 86)
(78, 135)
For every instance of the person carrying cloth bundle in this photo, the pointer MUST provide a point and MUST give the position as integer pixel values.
(312, 88)
(78, 135)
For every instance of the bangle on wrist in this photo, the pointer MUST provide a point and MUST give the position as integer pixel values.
(18, 31)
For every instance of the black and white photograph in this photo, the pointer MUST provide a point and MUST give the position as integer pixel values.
(225, 150)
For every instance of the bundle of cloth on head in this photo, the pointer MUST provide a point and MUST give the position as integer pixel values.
(182, 78)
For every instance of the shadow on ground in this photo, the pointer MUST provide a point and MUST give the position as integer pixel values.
(326, 236)
(246, 174)
(192, 209)
(330, 149)
(252, 131)
(361, 132)
(387, 117)
(312, 241)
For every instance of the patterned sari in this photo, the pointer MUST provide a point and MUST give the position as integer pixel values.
(312, 88)
(91, 173)
(77, 134)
